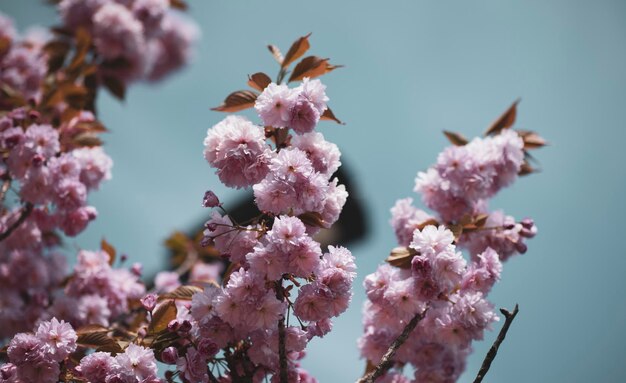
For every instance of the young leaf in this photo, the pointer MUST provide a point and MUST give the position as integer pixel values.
(526, 169)
(83, 43)
(276, 53)
(236, 101)
(329, 115)
(99, 341)
(109, 249)
(57, 52)
(298, 48)
(531, 139)
(401, 257)
(456, 139)
(115, 86)
(181, 293)
(313, 218)
(505, 121)
(162, 316)
(178, 4)
(259, 81)
(311, 66)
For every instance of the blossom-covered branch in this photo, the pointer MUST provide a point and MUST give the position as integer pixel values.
(428, 270)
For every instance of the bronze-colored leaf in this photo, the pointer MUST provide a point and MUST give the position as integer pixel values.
(83, 43)
(115, 86)
(276, 53)
(57, 51)
(505, 121)
(297, 49)
(401, 257)
(90, 126)
(109, 249)
(311, 67)
(99, 341)
(179, 4)
(91, 328)
(428, 222)
(162, 316)
(69, 92)
(86, 139)
(181, 293)
(480, 220)
(329, 115)
(5, 45)
(236, 101)
(456, 230)
(313, 218)
(259, 81)
(456, 139)
(526, 169)
(531, 139)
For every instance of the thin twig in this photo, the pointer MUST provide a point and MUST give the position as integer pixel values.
(387, 360)
(282, 352)
(491, 354)
(212, 377)
(26, 210)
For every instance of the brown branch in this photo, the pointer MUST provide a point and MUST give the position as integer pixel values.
(282, 352)
(212, 377)
(491, 354)
(387, 360)
(26, 210)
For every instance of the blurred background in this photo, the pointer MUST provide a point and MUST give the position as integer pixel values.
(413, 69)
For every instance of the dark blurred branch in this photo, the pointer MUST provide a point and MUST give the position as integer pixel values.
(26, 210)
(387, 360)
(491, 354)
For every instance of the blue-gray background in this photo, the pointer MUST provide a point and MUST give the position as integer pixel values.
(413, 69)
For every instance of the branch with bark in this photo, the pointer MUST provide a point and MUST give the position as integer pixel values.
(386, 361)
(26, 210)
(493, 351)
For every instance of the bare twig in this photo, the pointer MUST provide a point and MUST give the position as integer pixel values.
(212, 377)
(26, 210)
(491, 354)
(387, 360)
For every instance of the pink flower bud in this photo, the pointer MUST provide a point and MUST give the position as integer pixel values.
(169, 355)
(210, 199)
(149, 302)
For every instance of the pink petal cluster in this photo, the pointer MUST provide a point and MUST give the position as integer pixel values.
(237, 149)
(299, 109)
(37, 357)
(137, 40)
(136, 364)
(451, 293)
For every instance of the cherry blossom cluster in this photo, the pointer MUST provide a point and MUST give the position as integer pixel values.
(274, 256)
(452, 294)
(135, 39)
(428, 276)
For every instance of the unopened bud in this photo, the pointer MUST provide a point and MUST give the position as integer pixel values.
(149, 302)
(169, 355)
(210, 199)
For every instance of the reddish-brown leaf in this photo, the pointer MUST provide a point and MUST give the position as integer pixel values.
(505, 121)
(91, 328)
(109, 249)
(99, 341)
(329, 115)
(298, 48)
(57, 51)
(313, 218)
(276, 53)
(431, 221)
(311, 66)
(181, 293)
(457, 230)
(162, 316)
(456, 139)
(401, 257)
(531, 139)
(86, 139)
(526, 169)
(115, 86)
(179, 4)
(83, 43)
(5, 44)
(259, 81)
(236, 101)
